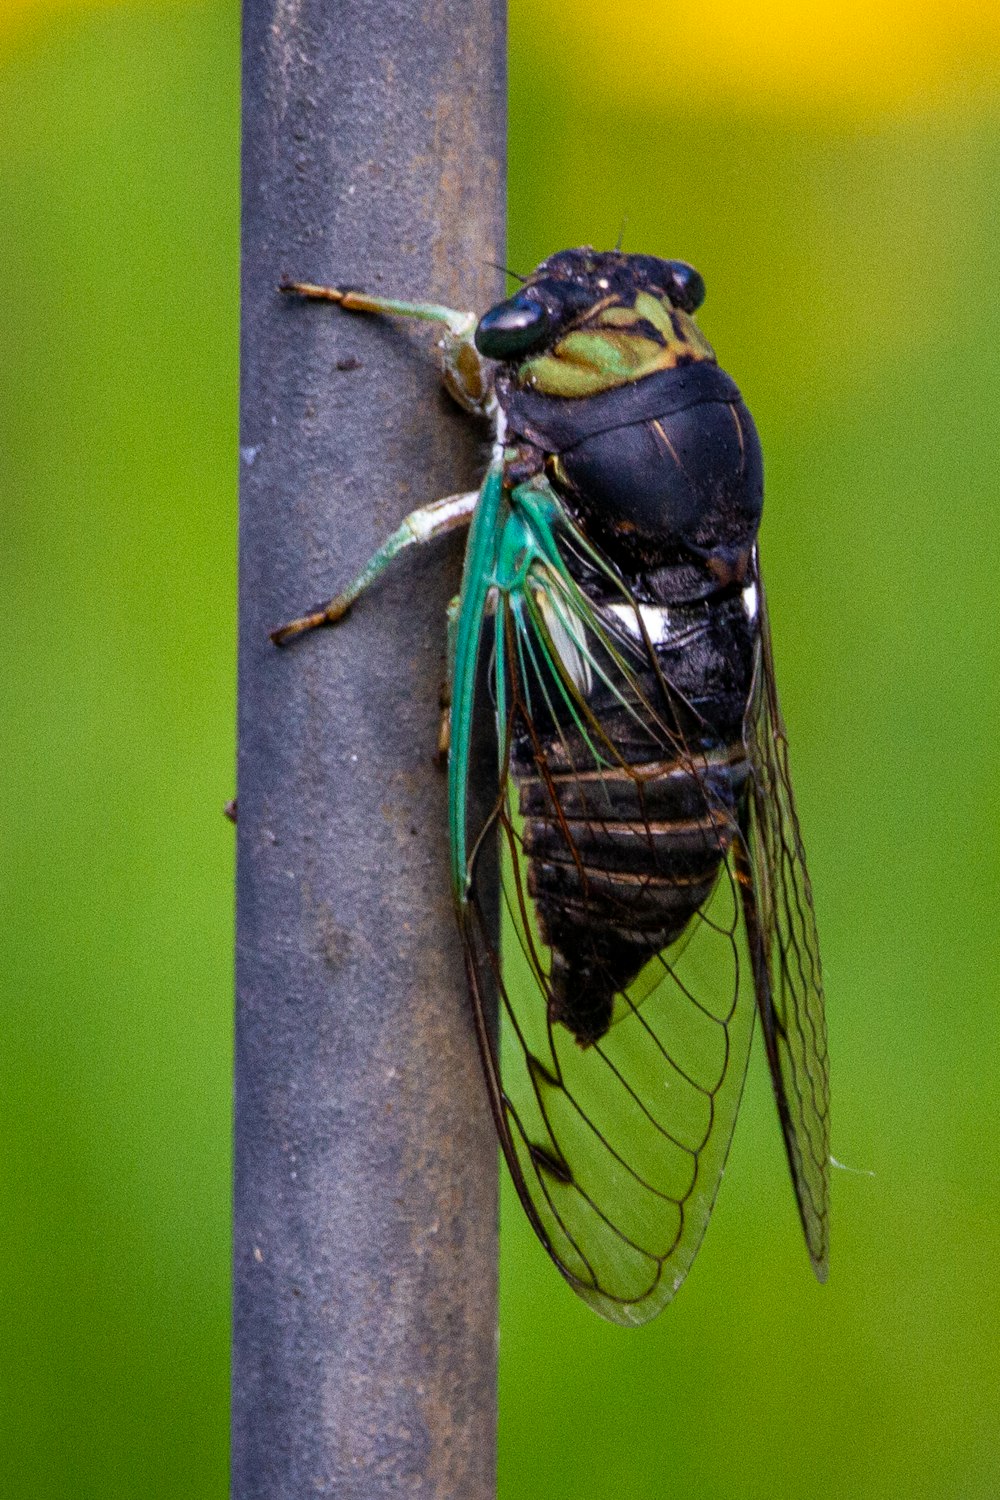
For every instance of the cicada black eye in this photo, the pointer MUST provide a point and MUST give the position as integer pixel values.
(513, 328)
(687, 288)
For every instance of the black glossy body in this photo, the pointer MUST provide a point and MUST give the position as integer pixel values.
(664, 474)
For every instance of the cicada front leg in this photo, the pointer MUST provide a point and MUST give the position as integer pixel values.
(423, 525)
(463, 371)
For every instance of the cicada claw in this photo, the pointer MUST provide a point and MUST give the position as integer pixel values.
(328, 615)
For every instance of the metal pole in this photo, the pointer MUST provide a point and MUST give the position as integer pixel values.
(364, 1349)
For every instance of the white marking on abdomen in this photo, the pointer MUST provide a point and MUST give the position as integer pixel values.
(655, 620)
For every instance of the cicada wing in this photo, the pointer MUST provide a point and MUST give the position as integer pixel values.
(784, 949)
(616, 1132)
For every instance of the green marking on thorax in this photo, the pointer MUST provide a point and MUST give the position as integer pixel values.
(611, 348)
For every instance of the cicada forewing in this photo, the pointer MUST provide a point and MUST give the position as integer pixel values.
(625, 1002)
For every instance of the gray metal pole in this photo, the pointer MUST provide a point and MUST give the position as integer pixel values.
(364, 1350)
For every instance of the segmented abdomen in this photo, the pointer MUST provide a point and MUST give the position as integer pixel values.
(620, 857)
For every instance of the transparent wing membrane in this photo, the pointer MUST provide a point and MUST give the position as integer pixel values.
(620, 1144)
(785, 949)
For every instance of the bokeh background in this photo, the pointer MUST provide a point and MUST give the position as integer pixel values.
(834, 171)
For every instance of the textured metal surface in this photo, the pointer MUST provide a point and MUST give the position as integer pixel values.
(365, 1208)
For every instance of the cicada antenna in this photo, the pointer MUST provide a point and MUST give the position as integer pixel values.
(507, 271)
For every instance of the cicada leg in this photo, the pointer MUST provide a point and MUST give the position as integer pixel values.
(423, 525)
(464, 372)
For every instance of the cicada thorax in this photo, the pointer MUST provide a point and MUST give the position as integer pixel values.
(628, 817)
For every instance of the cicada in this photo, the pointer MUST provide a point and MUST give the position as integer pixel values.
(654, 892)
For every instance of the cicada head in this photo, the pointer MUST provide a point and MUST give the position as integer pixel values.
(588, 320)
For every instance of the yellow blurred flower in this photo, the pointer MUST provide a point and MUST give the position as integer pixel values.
(21, 18)
(855, 57)
(849, 57)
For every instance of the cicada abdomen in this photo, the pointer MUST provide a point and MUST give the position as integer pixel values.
(625, 846)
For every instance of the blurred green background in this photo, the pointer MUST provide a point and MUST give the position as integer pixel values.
(835, 174)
